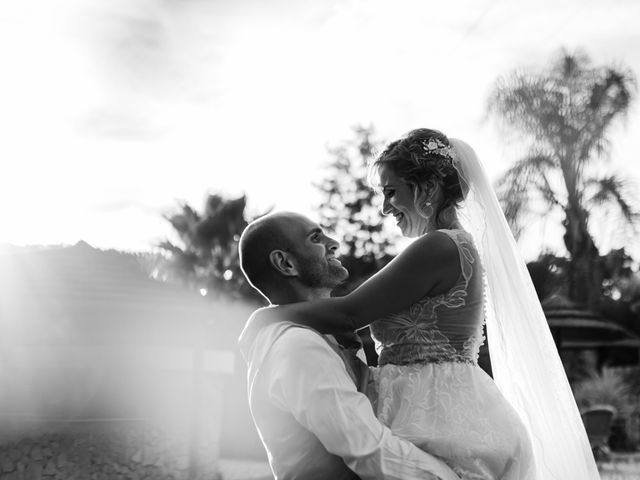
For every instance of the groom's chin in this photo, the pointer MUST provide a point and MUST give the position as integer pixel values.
(345, 273)
(340, 273)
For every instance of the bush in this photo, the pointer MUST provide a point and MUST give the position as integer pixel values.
(607, 387)
(610, 387)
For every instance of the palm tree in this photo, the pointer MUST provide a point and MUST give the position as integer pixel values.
(566, 114)
(206, 256)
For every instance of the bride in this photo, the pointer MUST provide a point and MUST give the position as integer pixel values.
(426, 311)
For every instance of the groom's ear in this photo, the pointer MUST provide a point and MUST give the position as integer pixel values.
(282, 262)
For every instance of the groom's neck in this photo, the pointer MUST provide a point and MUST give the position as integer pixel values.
(299, 293)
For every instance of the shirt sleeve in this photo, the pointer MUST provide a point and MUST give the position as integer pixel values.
(309, 380)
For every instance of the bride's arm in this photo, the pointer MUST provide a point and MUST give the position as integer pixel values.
(430, 265)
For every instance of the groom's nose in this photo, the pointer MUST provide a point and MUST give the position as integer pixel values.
(332, 244)
(385, 207)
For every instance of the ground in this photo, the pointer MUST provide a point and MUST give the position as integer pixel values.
(234, 469)
(622, 467)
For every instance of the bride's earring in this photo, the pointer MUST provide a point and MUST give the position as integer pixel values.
(427, 209)
(422, 202)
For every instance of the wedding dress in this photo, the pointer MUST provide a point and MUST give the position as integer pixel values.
(429, 388)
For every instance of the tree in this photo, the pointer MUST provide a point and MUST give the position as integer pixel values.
(566, 114)
(621, 289)
(352, 210)
(206, 258)
(548, 274)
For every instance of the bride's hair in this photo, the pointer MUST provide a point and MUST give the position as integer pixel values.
(420, 157)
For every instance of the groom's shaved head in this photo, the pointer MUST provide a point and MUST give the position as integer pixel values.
(288, 257)
(258, 240)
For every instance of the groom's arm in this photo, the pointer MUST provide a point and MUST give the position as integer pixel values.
(309, 380)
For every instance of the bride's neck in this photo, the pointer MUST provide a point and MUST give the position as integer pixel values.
(447, 220)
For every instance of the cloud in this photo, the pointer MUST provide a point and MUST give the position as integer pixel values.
(119, 125)
(174, 98)
(124, 204)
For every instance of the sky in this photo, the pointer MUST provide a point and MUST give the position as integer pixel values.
(114, 111)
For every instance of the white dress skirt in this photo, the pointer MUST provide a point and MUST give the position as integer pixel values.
(454, 410)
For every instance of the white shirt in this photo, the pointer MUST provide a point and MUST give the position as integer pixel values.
(312, 420)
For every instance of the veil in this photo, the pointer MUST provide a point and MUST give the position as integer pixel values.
(525, 362)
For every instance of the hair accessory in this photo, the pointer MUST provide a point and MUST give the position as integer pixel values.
(435, 146)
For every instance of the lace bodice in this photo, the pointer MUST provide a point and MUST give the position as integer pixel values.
(442, 328)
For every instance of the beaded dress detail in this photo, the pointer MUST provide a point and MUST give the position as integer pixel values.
(430, 389)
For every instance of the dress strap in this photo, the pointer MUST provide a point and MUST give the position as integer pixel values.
(466, 251)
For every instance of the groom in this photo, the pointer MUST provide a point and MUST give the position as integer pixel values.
(312, 420)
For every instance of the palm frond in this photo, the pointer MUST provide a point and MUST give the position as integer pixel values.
(546, 191)
(528, 104)
(611, 93)
(516, 186)
(613, 189)
(170, 247)
(568, 108)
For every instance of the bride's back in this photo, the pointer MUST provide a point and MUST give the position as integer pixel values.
(441, 328)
